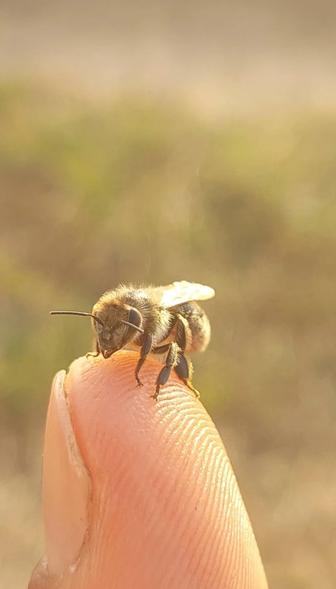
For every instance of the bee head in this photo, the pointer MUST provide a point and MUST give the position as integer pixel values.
(115, 326)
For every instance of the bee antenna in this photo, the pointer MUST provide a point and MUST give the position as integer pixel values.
(132, 325)
(80, 313)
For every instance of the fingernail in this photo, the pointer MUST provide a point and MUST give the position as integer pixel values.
(66, 486)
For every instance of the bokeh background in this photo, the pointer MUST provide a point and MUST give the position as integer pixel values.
(155, 141)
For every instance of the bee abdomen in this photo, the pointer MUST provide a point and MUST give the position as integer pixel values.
(199, 326)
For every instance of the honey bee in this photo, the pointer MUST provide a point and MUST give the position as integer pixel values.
(164, 320)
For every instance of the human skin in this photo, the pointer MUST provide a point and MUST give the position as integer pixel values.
(138, 493)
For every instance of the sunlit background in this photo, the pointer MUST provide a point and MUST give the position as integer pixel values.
(154, 141)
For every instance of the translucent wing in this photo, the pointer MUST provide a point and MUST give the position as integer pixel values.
(181, 292)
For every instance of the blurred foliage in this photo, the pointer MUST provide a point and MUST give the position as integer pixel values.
(144, 191)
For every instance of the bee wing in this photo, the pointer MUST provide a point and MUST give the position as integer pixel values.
(181, 292)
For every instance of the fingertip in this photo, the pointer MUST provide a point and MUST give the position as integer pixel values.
(138, 492)
(167, 457)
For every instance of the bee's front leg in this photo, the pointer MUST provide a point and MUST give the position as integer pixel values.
(94, 354)
(145, 349)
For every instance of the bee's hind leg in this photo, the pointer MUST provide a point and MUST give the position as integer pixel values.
(170, 363)
(176, 359)
(184, 370)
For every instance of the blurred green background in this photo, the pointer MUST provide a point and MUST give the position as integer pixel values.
(200, 177)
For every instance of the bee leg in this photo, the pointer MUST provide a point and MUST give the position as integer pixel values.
(144, 351)
(184, 370)
(182, 332)
(93, 354)
(184, 367)
(170, 363)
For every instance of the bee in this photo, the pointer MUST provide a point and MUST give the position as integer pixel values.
(164, 320)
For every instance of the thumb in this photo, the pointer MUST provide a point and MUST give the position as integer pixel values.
(138, 493)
